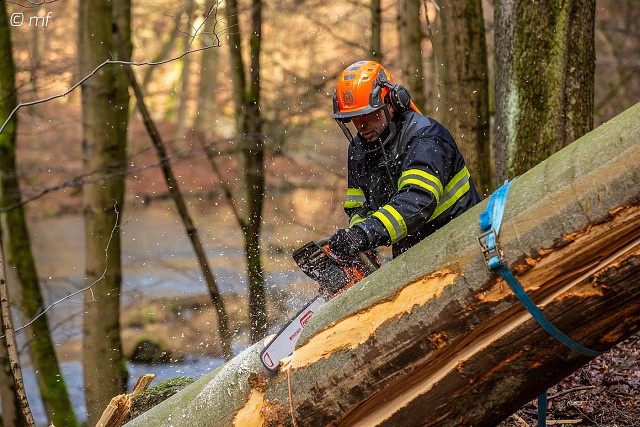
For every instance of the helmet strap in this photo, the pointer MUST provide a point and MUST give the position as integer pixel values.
(346, 131)
(392, 134)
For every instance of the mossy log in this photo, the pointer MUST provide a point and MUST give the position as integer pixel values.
(433, 337)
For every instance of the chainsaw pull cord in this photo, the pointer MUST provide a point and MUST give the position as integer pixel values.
(490, 222)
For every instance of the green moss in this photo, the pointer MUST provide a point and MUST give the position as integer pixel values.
(150, 398)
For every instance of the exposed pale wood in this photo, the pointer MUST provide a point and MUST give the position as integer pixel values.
(117, 412)
(143, 383)
(434, 338)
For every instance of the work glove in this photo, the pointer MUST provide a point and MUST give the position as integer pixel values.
(349, 242)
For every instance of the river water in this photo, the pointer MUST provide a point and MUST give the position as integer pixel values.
(158, 261)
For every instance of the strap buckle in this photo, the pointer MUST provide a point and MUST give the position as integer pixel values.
(493, 255)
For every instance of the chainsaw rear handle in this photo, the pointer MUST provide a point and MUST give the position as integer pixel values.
(367, 262)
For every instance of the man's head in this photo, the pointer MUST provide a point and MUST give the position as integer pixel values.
(371, 126)
(367, 95)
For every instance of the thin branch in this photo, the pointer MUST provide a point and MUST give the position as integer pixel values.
(88, 76)
(80, 291)
(52, 329)
(226, 189)
(82, 179)
(197, 30)
(33, 4)
(571, 390)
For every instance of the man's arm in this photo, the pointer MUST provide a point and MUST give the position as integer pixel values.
(422, 185)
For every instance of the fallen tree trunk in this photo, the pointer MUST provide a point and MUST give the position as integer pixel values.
(434, 337)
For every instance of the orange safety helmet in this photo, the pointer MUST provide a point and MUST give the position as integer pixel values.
(362, 89)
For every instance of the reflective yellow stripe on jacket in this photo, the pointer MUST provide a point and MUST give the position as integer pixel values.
(354, 198)
(391, 218)
(422, 179)
(455, 189)
(392, 221)
(355, 219)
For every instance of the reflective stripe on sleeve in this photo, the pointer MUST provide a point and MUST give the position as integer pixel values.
(421, 179)
(354, 198)
(355, 219)
(455, 189)
(392, 221)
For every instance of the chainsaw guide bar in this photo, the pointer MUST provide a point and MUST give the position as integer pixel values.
(334, 275)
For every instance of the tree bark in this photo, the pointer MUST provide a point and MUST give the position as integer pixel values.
(8, 396)
(410, 37)
(251, 150)
(376, 31)
(105, 109)
(436, 90)
(209, 69)
(182, 113)
(51, 384)
(434, 337)
(10, 345)
(545, 64)
(466, 77)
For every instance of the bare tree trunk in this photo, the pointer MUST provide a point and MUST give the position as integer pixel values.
(410, 36)
(105, 119)
(253, 160)
(11, 415)
(182, 119)
(8, 100)
(435, 338)
(10, 345)
(466, 77)
(376, 30)
(545, 79)
(436, 91)
(208, 72)
(51, 384)
(249, 128)
(181, 206)
(168, 45)
(35, 56)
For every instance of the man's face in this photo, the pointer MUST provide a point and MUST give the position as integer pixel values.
(370, 126)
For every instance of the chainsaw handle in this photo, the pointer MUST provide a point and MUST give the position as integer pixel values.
(367, 262)
(363, 257)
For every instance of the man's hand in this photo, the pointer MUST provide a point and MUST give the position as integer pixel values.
(349, 242)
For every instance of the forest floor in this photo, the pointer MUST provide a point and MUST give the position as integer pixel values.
(605, 392)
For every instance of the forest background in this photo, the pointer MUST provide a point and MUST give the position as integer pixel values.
(193, 101)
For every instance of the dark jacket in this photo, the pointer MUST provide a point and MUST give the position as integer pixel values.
(416, 185)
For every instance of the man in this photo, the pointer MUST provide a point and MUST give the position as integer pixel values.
(406, 176)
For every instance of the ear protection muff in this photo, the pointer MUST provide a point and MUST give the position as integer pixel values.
(399, 96)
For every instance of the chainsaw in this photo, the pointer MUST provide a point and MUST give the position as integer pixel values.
(334, 275)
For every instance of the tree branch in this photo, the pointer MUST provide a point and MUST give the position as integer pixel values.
(14, 360)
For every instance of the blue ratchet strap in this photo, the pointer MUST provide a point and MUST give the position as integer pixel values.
(490, 222)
